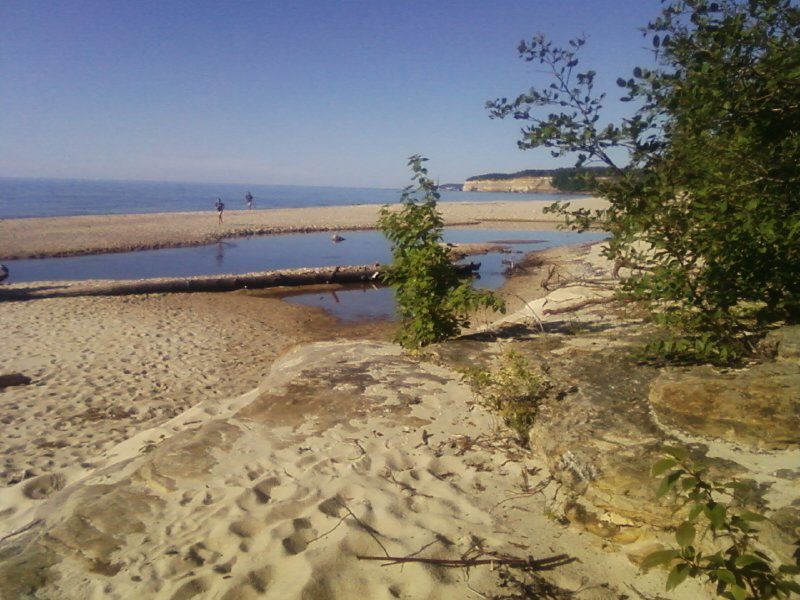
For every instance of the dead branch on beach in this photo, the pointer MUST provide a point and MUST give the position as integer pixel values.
(579, 305)
(529, 564)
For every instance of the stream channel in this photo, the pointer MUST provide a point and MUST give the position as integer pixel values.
(290, 251)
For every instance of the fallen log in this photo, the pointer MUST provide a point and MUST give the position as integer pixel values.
(214, 283)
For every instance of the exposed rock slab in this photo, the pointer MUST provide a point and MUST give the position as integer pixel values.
(785, 343)
(757, 407)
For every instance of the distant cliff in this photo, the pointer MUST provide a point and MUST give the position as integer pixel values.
(545, 181)
(518, 184)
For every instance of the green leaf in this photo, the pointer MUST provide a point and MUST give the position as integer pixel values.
(748, 560)
(716, 515)
(661, 557)
(789, 569)
(662, 466)
(752, 516)
(676, 452)
(668, 482)
(695, 510)
(724, 575)
(738, 593)
(677, 575)
(685, 534)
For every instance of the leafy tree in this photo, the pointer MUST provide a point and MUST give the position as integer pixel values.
(433, 301)
(707, 202)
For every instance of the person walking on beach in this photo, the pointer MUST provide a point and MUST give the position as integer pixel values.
(220, 209)
(249, 199)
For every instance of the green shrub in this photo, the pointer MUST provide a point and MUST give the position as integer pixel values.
(739, 570)
(433, 302)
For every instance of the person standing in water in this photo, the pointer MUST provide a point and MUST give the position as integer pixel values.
(220, 209)
(248, 198)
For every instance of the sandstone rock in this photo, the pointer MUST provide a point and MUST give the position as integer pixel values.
(517, 184)
(757, 407)
(786, 342)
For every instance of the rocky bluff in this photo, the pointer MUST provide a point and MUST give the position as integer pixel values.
(517, 184)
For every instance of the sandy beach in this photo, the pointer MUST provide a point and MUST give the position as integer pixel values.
(231, 445)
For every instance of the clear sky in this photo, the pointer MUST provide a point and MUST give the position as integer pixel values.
(307, 92)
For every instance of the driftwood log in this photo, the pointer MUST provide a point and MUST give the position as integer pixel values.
(214, 283)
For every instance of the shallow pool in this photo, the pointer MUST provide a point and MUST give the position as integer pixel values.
(273, 252)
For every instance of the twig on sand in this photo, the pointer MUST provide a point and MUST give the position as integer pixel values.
(357, 442)
(533, 312)
(537, 489)
(370, 530)
(388, 475)
(330, 531)
(579, 305)
(30, 525)
(374, 533)
(529, 564)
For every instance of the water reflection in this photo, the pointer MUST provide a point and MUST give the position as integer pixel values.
(351, 303)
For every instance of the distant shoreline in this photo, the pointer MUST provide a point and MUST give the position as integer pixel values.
(48, 237)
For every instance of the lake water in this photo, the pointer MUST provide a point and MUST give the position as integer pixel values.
(67, 197)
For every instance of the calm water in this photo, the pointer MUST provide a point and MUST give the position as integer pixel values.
(285, 252)
(265, 253)
(67, 197)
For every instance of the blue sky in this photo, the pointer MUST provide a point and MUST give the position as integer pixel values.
(307, 92)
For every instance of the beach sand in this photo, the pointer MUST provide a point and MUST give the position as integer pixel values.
(104, 368)
(178, 397)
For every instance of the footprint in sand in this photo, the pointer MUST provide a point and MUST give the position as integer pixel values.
(303, 534)
(200, 554)
(258, 495)
(246, 527)
(332, 507)
(256, 583)
(43, 486)
(193, 589)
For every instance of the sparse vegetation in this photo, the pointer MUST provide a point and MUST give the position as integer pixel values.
(716, 518)
(512, 390)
